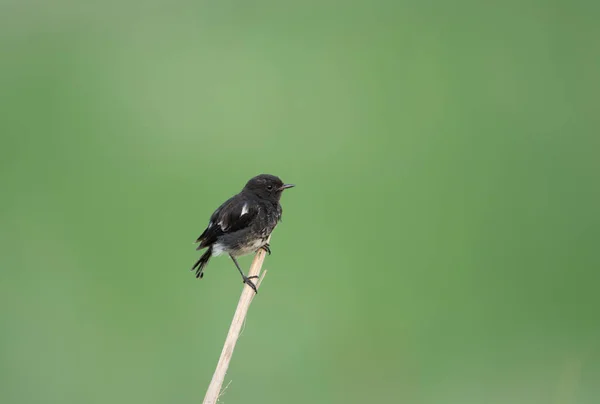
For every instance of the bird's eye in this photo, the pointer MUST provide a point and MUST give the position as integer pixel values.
(270, 187)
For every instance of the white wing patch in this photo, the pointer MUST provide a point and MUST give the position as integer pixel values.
(244, 209)
(210, 224)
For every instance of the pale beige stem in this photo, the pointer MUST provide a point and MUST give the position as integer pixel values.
(214, 389)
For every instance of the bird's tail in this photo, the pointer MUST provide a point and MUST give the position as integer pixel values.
(201, 263)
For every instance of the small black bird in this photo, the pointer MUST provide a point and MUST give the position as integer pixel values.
(243, 223)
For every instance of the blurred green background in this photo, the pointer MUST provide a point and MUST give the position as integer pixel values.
(441, 245)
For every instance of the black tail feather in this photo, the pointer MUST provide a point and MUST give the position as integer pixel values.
(201, 263)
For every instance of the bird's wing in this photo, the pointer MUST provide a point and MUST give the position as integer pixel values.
(233, 215)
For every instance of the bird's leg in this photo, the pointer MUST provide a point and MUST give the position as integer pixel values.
(267, 248)
(246, 279)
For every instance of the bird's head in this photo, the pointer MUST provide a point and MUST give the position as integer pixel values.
(266, 186)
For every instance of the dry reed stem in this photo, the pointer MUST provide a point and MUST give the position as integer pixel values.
(214, 389)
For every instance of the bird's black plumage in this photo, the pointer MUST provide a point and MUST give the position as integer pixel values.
(243, 223)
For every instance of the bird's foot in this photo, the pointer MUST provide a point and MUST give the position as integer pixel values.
(248, 282)
(267, 248)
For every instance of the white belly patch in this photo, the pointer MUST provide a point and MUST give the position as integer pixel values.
(217, 249)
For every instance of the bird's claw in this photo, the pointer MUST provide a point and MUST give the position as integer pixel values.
(267, 248)
(248, 282)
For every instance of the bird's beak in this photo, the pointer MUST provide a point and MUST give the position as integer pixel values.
(286, 186)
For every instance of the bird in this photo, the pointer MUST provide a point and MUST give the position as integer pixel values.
(243, 223)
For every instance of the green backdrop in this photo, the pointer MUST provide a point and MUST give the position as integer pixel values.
(441, 244)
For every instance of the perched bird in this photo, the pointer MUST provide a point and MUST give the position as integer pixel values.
(243, 223)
